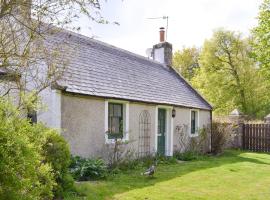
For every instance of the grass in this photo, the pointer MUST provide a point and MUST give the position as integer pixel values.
(234, 175)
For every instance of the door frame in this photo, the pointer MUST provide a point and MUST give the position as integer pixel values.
(168, 132)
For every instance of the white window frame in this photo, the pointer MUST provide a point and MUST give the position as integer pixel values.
(198, 123)
(169, 130)
(125, 120)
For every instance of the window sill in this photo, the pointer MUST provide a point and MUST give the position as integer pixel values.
(112, 141)
(194, 135)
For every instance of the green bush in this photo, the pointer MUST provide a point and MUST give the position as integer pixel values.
(23, 174)
(34, 159)
(55, 151)
(165, 159)
(87, 169)
(186, 156)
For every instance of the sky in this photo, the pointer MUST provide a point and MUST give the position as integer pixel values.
(190, 21)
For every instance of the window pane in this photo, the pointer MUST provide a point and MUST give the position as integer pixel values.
(115, 120)
(193, 122)
(192, 115)
(32, 116)
(115, 127)
(117, 110)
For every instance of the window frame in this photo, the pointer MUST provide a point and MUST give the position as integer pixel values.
(125, 110)
(196, 133)
(121, 120)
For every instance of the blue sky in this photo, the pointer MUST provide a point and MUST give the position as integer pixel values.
(190, 21)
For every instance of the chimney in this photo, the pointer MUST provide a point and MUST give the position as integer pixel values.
(162, 52)
(161, 34)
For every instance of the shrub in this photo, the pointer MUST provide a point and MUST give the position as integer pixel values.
(23, 174)
(127, 161)
(34, 159)
(87, 169)
(165, 159)
(117, 152)
(56, 152)
(186, 156)
(220, 136)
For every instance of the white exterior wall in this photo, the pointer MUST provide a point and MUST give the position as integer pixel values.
(183, 120)
(50, 113)
(83, 124)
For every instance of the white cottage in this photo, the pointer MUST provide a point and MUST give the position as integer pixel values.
(108, 92)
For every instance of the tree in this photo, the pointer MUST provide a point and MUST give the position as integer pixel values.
(186, 61)
(25, 53)
(261, 36)
(228, 76)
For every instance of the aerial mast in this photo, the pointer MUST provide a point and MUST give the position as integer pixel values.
(167, 23)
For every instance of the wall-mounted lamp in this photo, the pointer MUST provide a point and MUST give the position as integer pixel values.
(173, 113)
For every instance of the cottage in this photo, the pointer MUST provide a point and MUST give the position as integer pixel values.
(108, 92)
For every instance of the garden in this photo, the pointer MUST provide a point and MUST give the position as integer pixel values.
(36, 164)
(233, 175)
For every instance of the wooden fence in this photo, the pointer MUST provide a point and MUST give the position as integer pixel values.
(256, 137)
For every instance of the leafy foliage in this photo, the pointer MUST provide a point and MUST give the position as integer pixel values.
(187, 156)
(262, 37)
(186, 61)
(23, 174)
(161, 159)
(34, 159)
(194, 147)
(87, 169)
(56, 152)
(228, 76)
(117, 153)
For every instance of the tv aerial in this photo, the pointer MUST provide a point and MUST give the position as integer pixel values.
(167, 22)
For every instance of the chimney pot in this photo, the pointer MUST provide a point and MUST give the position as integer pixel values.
(161, 34)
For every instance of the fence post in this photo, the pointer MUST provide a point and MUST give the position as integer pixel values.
(237, 119)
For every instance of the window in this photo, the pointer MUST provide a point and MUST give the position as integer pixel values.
(115, 121)
(194, 122)
(116, 124)
(32, 116)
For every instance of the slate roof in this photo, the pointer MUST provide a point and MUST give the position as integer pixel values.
(99, 69)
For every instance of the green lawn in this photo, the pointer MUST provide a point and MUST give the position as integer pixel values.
(235, 175)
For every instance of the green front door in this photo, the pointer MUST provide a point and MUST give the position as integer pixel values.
(161, 131)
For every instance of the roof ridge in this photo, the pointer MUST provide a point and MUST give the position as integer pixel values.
(79, 35)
